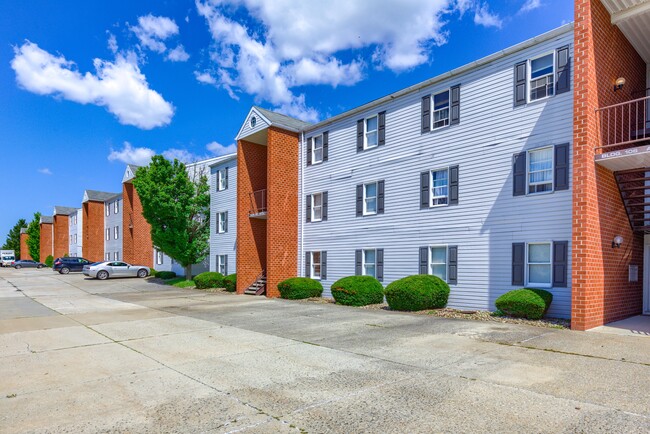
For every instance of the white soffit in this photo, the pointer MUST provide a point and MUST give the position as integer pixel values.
(633, 18)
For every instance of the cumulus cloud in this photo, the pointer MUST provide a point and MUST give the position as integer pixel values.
(119, 86)
(45, 171)
(530, 5)
(152, 32)
(178, 54)
(483, 17)
(130, 155)
(218, 149)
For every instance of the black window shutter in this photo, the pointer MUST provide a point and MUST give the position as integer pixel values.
(563, 70)
(426, 114)
(520, 83)
(560, 263)
(323, 265)
(225, 218)
(226, 186)
(424, 189)
(308, 207)
(424, 260)
(360, 135)
(519, 174)
(453, 185)
(380, 197)
(452, 264)
(562, 167)
(359, 200)
(380, 264)
(357, 262)
(326, 145)
(518, 263)
(225, 264)
(381, 120)
(324, 209)
(455, 105)
(309, 150)
(307, 264)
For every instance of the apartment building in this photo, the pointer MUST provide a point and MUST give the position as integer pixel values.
(113, 228)
(46, 225)
(223, 212)
(24, 250)
(61, 230)
(94, 223)
(75, 229)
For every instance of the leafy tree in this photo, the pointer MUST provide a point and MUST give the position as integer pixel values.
(13, 238)
(34, 237)
(178, 208)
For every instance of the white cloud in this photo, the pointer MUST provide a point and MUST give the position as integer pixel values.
(152, 31)
(218, 149)
(130, 155)
(178, 54)
(182, 155)
(483, 17)
(45, 171)
(530, 5)
(112, 43)
(205, 77)
(119, 86)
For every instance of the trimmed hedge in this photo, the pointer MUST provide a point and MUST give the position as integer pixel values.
(49, 261)
(357, 291)
(417, 292)
(165, 275)
(230, 282)
(300, 287)
(525, 303)
(209, 279)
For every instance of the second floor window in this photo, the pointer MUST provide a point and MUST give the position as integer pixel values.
(116, 232)
(439, 187)
(317, 207)
(440, 116)
(116, 206)
(222, 222)
(222, 179)
(317, 150)
(108, 234)
(370, 198)
(541, 80)
(540, 170)
(371, 132)
(108, 209)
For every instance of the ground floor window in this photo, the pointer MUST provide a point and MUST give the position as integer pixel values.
(222, 264)
(438, 261)
(370, 262)
(538, 264)
(159, 257)
(315, 265)
(107, 256)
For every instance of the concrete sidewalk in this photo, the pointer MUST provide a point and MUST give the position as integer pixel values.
(127, 355)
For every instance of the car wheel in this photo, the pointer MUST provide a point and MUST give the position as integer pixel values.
(18, 267)
(142, 273)
(102, 275)
(39, 266)
(64, 270)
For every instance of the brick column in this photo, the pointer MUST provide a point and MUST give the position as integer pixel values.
(93, 231)
(46, 240)
(61, 235)
(24, 250)
(136, 243)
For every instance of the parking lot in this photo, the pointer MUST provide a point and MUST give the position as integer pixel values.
(129, 355)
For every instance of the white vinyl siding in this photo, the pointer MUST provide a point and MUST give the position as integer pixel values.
(541, 75)
(224, 244)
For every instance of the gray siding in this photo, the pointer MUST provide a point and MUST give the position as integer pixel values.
(225, 200)
(487, 220)
(75, 231)
(260, 124)
(111, 221)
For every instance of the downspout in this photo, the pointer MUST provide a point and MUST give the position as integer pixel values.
(301, 223)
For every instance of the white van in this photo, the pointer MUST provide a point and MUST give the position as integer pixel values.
(7, 258)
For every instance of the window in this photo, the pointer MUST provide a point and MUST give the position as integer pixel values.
(222, 179)
(540, 170)
(116, 256)
(440, 116)
(70, 239)
(107, 256)
(108, 209)
(108, 234)
(370, 198)
(116, 232)
(74, 219)
(159, 257)
(222, 222)
(538, 264)
(370, 263)
(116, 206)
(541, 77)
(438, 261)
(317, 150)
(439, 187)
(316, 207)
(222, 264)
(315, 272)
(75, 238)
(370, 140)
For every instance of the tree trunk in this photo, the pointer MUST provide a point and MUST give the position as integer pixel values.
(188, 272)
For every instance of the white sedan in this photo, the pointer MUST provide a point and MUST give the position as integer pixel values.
(104, 270)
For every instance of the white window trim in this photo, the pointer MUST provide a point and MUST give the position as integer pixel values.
(221, 263)
(431, 196)
(107, 256)
(108, 209)
(312, 272)
(363, 261)
(116, 234)
(108, 234)
(365, 211)
(550, 264)
(313, 207)
(432, 111)
(221, 217)
(159, 257)
(529, 71)
(322, 147)
(429, 263)
(528, 184)
(365, 132)
(221, 180)
(116, 207)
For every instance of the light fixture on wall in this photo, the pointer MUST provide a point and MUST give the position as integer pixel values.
(620, 82)
(617, 241)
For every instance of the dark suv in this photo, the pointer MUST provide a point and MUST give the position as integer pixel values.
(66, 265)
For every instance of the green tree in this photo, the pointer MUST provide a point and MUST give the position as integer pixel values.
(34, 237)
(177, 207)
(13, 238)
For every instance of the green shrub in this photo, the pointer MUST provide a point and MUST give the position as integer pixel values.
(152, 272)
(209, 279)
(165, 275)
(300, 287)
(49, 261)
(417, 292)
(357, 291)
(230, 282)
(525, 303)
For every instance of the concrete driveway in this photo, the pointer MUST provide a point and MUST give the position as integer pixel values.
(128, 355)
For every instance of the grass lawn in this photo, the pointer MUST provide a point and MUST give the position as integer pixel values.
(180, 282)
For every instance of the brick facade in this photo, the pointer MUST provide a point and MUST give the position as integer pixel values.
(46, 240)
(93, 230)
(137, 245)
(24, 250)
(601, 292)
(61, 235)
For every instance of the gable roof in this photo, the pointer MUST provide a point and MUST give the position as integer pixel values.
(99, 196)
(64, 210)
(283, 121)
(47, 219)
(223, 159)
(129, 173)
(23, 230)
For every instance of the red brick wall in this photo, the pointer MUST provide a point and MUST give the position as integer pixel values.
(46, 241)
(600, 289)
(251, 232)
(61, 235)
(93, 231)
(282, 196)
(24, 250)
(136, 243)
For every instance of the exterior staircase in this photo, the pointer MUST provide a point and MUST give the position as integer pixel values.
(634, 186)
(259, 286)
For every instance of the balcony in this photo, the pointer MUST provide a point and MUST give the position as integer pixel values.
(258, 204)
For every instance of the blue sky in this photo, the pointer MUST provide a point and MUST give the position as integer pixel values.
(87, 86)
